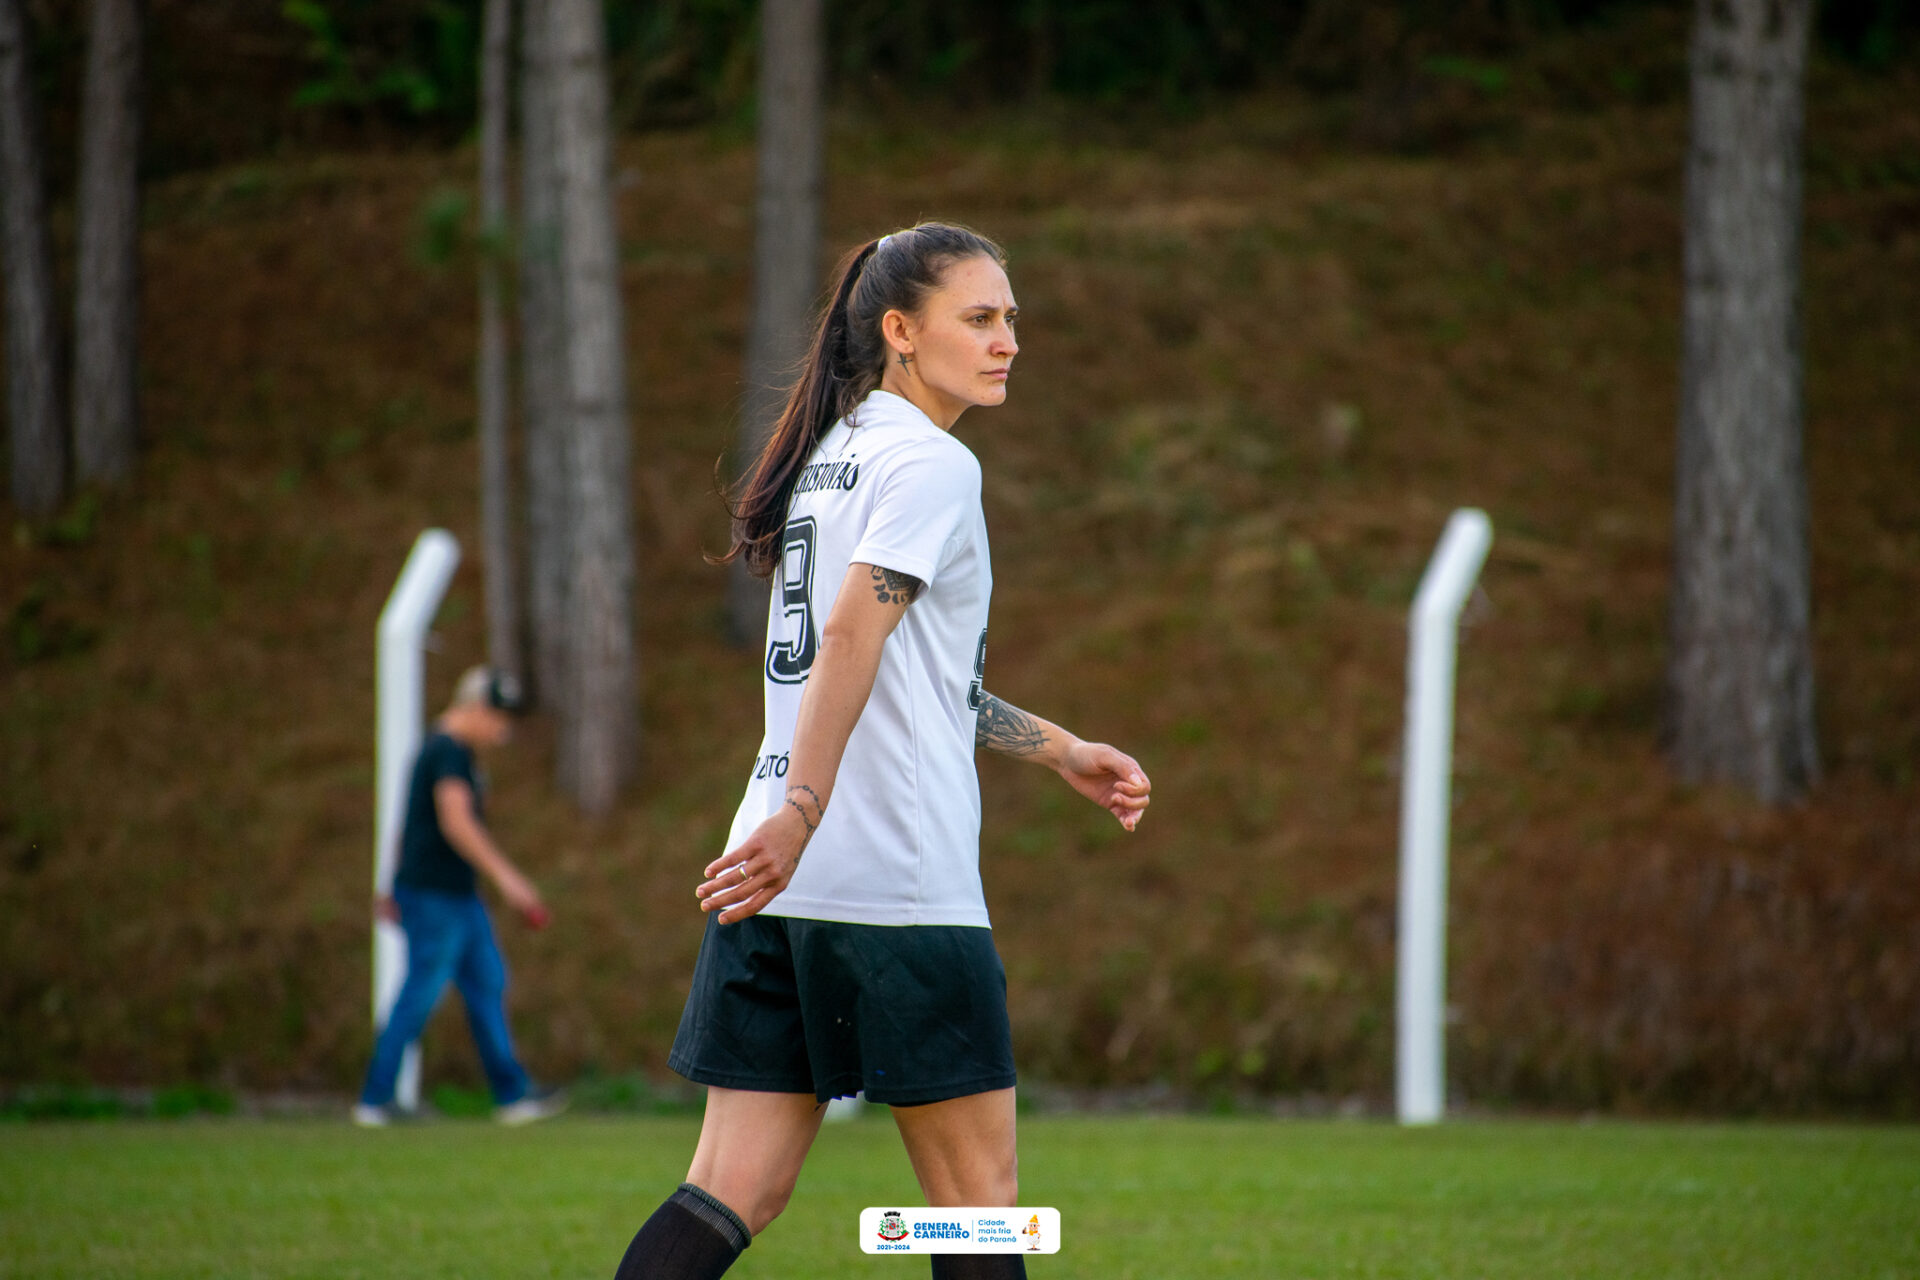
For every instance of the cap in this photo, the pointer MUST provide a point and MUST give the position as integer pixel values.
(485, 686)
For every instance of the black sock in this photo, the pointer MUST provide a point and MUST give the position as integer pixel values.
(979, 1266)
(692, 1236)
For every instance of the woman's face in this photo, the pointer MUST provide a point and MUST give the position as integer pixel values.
(960, 346)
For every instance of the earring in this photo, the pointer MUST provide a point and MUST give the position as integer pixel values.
(904, 359)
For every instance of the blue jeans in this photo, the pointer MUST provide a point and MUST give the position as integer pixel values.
(448, 938)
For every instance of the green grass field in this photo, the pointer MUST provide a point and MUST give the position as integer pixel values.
(1140, 1197)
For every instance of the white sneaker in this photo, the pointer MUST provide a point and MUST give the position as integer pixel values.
(370, 1117)
(542, 1105)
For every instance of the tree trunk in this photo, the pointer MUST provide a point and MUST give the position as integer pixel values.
(496, 482)
(1740, 675)
(106, 310)
(543, 374)
(600, 731)
(36, 417)
(786, 249)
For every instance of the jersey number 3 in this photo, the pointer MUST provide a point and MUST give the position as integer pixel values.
(788, 661)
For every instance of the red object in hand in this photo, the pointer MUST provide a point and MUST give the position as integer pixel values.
(537, 916)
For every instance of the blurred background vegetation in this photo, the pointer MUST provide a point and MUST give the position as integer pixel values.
(235, 79)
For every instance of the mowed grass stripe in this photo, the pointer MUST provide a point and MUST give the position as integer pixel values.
(1140, 1197)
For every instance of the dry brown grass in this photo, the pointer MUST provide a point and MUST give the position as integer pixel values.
(1257, 375)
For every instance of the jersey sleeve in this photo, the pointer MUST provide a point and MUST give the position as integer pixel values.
(927, 498)
(443, 759)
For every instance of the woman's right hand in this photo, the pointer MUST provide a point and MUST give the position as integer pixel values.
(746, 878)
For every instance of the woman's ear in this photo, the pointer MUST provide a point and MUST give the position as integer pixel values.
(895, 331)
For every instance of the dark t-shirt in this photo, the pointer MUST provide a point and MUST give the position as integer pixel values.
(427, 861)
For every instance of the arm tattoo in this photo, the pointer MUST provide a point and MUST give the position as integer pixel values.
(894, 587)
(819, 811)
(811, 825)
(818, 808)
(1007, 729)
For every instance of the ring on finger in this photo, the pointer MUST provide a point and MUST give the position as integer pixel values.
(744, 874)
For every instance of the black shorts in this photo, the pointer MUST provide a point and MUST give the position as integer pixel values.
(911, 1014)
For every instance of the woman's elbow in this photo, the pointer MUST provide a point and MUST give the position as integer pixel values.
(850, 644)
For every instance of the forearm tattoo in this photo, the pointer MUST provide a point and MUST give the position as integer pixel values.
(809, 823)
(819, 810)
(1007, 729)
(894, 587)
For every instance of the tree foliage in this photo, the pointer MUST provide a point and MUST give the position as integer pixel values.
(233, 78)
(685, 59)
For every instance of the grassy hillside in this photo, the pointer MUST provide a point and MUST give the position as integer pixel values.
(1258, 372)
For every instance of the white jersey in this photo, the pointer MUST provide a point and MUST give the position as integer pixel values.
(900, 842)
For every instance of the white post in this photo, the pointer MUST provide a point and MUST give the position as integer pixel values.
(400, 639)
(1425, 801)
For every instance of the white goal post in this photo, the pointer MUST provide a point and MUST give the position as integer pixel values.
(1425, 806)
(400, 641)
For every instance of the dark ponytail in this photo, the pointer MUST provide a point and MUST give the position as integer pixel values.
(844, 363)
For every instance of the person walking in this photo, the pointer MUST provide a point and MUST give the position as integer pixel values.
(443, 842)
(847, 945)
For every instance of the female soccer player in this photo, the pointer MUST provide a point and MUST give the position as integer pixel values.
(847, 945)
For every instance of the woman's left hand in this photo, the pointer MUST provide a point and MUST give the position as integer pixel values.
(1110, 778)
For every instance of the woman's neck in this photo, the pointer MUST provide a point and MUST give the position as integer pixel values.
(942, 410)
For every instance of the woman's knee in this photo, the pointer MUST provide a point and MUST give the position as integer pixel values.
(758, 1190)
(995, 1178)
(970, 1178)
(757, 1202)
(772, 1203)
(1005, 1183)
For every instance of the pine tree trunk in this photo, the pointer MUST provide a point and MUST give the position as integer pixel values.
(36, 416)
(106, 312)
(543, 377)
(1740, 675)
(496, 482)
(599, 735)
(786, 249)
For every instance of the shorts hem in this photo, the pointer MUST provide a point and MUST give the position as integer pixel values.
(943, 1092)
(905, 1096)
(738, 1080)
